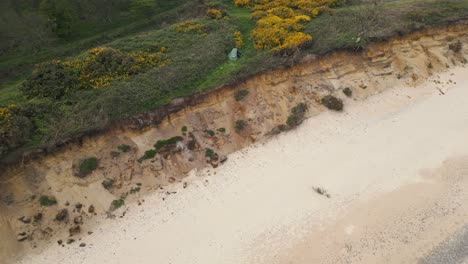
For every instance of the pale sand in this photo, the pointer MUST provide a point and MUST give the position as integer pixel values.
(393, 199)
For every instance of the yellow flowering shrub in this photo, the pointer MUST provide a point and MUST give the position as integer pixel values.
(214, 13)
(98, 69)
(280, 22)
(238, 39)
(190, 26)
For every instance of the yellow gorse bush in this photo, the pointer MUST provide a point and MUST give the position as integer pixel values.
(238, 39)
(6, 117)
(214, 13)
(280, 23)
(104, 65)
(189, 26)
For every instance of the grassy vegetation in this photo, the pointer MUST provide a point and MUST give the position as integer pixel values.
(164, 142)
(197, 61)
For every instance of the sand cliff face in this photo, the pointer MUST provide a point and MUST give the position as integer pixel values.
(271, 96)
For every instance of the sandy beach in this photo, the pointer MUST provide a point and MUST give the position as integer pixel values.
(395, 167)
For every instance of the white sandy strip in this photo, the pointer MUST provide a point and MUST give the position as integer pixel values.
(374, 147)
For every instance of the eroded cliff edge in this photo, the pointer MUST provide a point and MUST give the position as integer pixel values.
(213, 122)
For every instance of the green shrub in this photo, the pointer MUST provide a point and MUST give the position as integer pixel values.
(116, 204)
(51, 79)
(87, 166)
(332, 103)
(222, 130)
(348, 92)
(149, 154)
(209, 153)
(124, 148)
(164, 142)
(210, 132)
(108, 183)
(240, 125)
(456, 46)
(184, 129)
(47, 200)
(115, 154)
(241, 95)
(297, 115)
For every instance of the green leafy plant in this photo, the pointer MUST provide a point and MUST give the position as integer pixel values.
(222, 130)
(184, 129)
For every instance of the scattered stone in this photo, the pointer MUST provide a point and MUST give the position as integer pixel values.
(78, 206)
(222, 159)
(90, 232)
(185, 185)
(70, 240)
(25, 219)
(60, 242)
(62, 215)
(172, 180)
(83, 245)
(67, 204)
(38, 217)
(22, 237)
(78, 220)
(74, 230)
(91, 209)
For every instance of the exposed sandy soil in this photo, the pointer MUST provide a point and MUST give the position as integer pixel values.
(395, 166)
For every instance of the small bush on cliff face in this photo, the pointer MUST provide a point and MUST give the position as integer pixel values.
(332, 103)
(116, 204)
(47, 200)
(456, 47)
(241, 95)
(240, 125)
(209, 153)
(108, 184)
(348, 92)
(164, 142)
(149, 154)
(297, 115)
(124, 148)
(87, 166)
